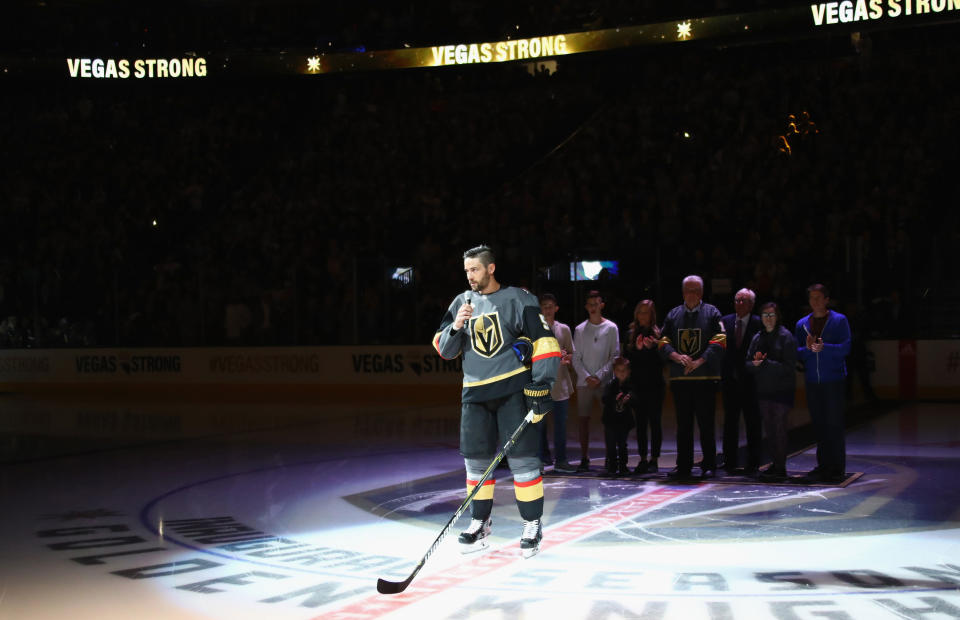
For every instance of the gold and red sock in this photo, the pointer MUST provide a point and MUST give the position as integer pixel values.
(482, 503)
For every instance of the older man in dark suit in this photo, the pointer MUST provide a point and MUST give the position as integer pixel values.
(738, 387)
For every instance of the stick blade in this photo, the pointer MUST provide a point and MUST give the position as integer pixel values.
(392, 587)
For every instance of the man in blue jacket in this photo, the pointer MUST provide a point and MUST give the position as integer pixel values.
(823, 338)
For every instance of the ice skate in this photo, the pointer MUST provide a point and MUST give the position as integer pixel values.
(474, 538)
(531, 537)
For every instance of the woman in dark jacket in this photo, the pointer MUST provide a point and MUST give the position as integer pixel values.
(646, 370)
(772, 360)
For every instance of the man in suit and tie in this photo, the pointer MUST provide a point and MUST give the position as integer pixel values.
(738, 387)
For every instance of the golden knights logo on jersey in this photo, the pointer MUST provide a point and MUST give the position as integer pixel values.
(487, 335)
(689, 341)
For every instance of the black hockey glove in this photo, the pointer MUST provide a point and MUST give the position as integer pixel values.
(539, 402)
(524, 349)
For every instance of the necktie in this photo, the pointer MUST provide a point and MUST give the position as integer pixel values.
(739, 333)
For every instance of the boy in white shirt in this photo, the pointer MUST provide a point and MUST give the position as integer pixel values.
(596, 344)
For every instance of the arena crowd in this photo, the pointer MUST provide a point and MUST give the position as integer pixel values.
(275, 211)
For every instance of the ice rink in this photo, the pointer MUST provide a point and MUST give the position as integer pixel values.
(290, 510)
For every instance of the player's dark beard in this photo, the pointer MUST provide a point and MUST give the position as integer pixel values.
(482, 283)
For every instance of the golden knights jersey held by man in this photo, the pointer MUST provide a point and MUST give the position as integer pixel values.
(491, 368)
(697, 334)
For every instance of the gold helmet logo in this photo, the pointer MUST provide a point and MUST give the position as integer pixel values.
(487, 335)
(689, 341)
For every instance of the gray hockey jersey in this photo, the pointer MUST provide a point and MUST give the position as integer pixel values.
(491, 368)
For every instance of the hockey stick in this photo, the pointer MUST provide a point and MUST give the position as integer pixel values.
(395, 587)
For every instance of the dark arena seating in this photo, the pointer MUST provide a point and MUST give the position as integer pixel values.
(334, 209)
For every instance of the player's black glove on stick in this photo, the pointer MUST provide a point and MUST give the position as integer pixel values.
(539, 402)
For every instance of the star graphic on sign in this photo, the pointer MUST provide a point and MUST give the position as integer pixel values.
(683, 30)
(313, 64)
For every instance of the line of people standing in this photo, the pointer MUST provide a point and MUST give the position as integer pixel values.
(624, 379)
(752, 359)
(516, 370)
(759, 384)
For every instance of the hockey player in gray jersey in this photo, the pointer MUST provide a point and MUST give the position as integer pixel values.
(510, 361)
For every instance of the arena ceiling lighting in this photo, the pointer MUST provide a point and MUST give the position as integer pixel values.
(743, 28)
(838, 18)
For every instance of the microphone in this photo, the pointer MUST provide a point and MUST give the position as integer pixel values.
(466, 297)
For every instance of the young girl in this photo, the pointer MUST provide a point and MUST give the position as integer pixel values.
(618, 413)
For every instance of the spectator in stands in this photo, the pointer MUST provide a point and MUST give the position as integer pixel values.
(690, 159)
